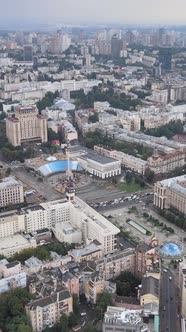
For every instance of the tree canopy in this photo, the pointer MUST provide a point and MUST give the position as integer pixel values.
(12, 312)
(168, 130)
(116, 100)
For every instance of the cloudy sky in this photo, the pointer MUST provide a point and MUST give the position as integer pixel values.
(96, 11)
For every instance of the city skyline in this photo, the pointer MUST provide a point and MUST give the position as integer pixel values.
(110, 11)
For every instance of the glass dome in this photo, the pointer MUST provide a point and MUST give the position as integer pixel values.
(171, 249)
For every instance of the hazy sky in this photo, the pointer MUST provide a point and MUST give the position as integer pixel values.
(110, 11)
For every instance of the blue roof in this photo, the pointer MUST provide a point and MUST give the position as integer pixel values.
(171, 249)
(59, 166)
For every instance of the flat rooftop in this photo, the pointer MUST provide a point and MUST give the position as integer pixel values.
(78, 253)
(13, 242)
(99, 158)
(9, 182)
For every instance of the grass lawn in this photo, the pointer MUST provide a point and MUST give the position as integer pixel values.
(130, 187)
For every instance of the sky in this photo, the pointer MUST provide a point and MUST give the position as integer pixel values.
(95, 11)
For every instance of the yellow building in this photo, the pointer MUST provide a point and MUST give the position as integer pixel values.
(47, 310)
(149, 292)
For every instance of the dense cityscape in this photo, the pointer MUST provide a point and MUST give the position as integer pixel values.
(92, 177)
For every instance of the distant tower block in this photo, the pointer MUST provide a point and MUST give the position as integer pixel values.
(69, 173)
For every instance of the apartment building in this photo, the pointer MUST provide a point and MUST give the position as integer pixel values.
(26, 125)
(96, 285)
(159, 96)
(47, 310)
(144, 252)
(113, 265)
(11, 192)
(171, 193)
(70, 133)
(81, 118)
(161, 164)
(11, 276)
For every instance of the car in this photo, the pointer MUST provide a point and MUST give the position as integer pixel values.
(170, 278)
(164, 308)
(83, 314)
(164, 270)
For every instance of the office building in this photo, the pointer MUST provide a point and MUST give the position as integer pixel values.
(11, 192)
(15, 244)
(28, 53)
(26, 125)
(123, 320)
(100, 166)
(81, 216)
(171, 193)
(65, 232)
(165, 57)
(11, 223)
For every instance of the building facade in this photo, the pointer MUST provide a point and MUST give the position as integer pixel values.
(47, 311)
(74, 213)
(171, 193)
(161, 164)
(26, 125)
(11, 192)
(115, 264)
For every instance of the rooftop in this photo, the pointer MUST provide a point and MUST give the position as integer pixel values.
(13, 242)
(121, 316)
(99, 158)
(175, 184)
(9, 182)
(150, 285)
(78, 253)
(43, 302)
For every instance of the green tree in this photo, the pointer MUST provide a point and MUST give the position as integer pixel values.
(72, 320)
(75, 304)
(103, 302)
(89, 327)
(24, 328)
(63, 324)
(149, 174)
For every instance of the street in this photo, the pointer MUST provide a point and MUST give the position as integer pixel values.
(168, 303)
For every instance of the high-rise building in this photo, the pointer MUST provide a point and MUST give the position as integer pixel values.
(165, 57)
(26, 125)
(28, 53)
(11, 192)
(116, 46)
